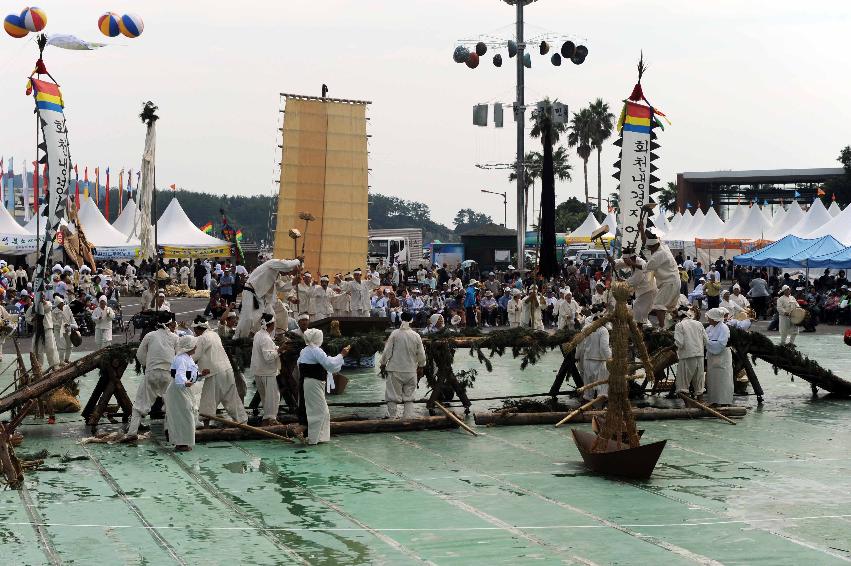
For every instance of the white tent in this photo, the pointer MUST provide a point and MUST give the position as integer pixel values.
(125, 221)
(676, 220)
(735, 216)
(753, 226)
(712, 226)
(834, 209)
(839, 227)
(611, 221)
(100, 234)
(584, 230)
(175, 229)
(698, 217)
(816, 217)
(684, 229)
(39, 218)
(660, 221)
(790, 218)
(779, 216)
(8, 225)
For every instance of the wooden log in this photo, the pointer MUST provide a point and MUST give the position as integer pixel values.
(243, 426)
(645, 414)
(455, 418)
(581, 409)
(345, 427)
(706, 408)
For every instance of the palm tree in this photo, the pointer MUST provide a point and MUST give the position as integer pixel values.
(581, 128)
(532, 166)
(603, 124)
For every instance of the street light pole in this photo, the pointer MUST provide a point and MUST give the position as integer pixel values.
(519, 115)
(504, 205)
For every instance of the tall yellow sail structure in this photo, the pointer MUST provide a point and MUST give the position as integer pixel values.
(324, 172)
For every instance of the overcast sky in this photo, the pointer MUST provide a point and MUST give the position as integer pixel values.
(747, 85)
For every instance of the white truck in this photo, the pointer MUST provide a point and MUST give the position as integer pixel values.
(401, 245)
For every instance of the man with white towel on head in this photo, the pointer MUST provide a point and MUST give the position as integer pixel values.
(259, 292)
(63, 324)
(156, 353)
(265, 366)
(719, 360)
(403, 360)
(361, 292)
(664, 268)
(315, 367)
(103, 316)
(220, 383)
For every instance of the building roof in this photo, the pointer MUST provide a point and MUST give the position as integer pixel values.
(779, 176)
(489, 230)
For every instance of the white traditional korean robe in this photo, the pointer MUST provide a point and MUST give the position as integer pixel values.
(179, 401)
(403, 354)
(719, 366)
(261, 285)
(318, 415)
(219, 385)
(690, 340)
(596, 353)
(265, 366)
(156, 353)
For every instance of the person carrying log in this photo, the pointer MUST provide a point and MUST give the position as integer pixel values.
(643, 285)
(156, 353)
(719, 360)
(314, 366)
(179, 401)
(266, 365)
(690, 340)
(259, 292)
(403, 361)
(220, 384)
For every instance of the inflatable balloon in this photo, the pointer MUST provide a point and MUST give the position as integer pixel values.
(14, 26)
(556, 59)
(460, 55)
(579, 55)
(567, 49)
(108, 24)
(481, 48)
(34, 18)
(131, 25)
(473, 60)
(497, 60)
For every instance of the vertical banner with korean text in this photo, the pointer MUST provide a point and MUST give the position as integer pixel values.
(635, 177)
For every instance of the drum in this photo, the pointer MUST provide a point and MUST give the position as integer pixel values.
(798, 315)
(76, 339)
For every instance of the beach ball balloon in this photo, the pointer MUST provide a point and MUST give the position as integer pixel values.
(131, 25)
(14, 26)
(34, 18)
(108, 24)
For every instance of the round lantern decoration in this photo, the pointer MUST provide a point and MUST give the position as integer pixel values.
(568, 48)
(544, 48)
(131, 25)
(460, 55)
(497, 60)
(481, 48)
(108, 24)
(14, 26)
(34, 18)
(556, 59)
(473, 60)
(527, 60)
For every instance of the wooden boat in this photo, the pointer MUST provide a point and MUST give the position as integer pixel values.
(623, 461)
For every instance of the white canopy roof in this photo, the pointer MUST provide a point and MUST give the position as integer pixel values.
(736, 214)
(839, 227)
(584, 230)
(98, 231)
(778, 217)
(711, 227)
(660, 221)
(789, 220)
(753, 226)
(611, 221)
(124, 222)
(8, 225)
(676, 220)
(834, 209)
(816, 217)
(30, 226)
(698, 217)
(175, 229)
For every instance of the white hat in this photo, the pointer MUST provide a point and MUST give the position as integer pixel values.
(736, 286)
(456, 320)
(324, 278)
(186, 343)
(313, 337)
(567, 291)
(86, 269)
(24, 293)
(784, 288)
(511, 268)
(652, 241)
(432, 320)
(304, 317)
(472, 282)
(161, 294)
(102, 298)
(715, 314)
(57, 267)
(58, 299)
(515, 292)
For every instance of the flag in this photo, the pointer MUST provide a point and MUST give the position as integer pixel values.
(35, 187)
(820, 192)
(173, 187)
(97, 186)
(207, 228)
(86, 181)
(121, 191)
(26, 192)
(833, 196)
(9, 201)
(797, 194)
(129, 183)
(2, 176)
(76, 188)
(239, 235)
(106, 197)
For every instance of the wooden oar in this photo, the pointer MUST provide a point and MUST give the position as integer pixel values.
(706, 408)
(455, 418)
(248, 427)
(584, 407)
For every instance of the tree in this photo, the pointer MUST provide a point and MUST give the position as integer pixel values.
(532, 165)
(581, 128)
(615, 201)
(841, 187)
(570, 214)
(601, 130)
(467, 218)
(667, 197)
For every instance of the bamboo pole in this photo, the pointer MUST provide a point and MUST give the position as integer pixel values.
(584, 407)
(645, 414)
(244, 426)
(455, 418)
(706, 408)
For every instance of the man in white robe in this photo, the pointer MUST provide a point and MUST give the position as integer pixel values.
(63, 324)
(43, 342)
(265, 366)
(786, 303)
(340, 299)
(534, 306)
(514, 309)
(259, 292)
(156, 353)
(103, 316)
(719, 360)
(314, 367)
(361, 291)
(690, 340)
(664, 268)
(320, 300)
(301, 296)
(220, 383)
(566, 310)
(596, 353)
(643, 285)
(403, 360)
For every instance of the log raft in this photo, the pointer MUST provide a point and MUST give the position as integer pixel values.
(645, 414)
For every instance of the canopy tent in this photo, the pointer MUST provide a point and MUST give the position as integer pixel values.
(698, 217)
(778, 217)
(839, 227)
(833, 260)
(793, 215)
(739, 211)
(660, 221)
(677, 220)
(752, 226)
(684, 229)
(834, 209)
(790, 251)
(712, 226)
(179, 237)
(127, 219)
(816, 217)
(587, 227)
(108, 242)
(37, 221)
(611, 221)
(8, 225)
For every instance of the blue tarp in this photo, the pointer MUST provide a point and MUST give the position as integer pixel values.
(792, 251)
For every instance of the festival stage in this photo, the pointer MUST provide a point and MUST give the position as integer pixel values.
(773, 488)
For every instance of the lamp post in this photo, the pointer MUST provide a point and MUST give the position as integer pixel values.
(504, 204)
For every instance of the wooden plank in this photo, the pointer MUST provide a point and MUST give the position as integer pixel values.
(646, 414)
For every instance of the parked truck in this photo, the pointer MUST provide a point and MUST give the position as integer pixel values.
(401, 245)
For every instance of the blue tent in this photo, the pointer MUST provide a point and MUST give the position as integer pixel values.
(833, 260)
(791, 251)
